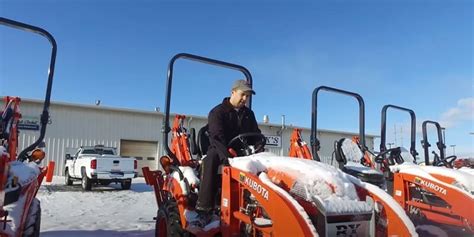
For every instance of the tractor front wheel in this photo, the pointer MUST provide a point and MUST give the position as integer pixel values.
(168, 223)
(33, 221)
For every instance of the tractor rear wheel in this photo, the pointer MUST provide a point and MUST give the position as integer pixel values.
(33, 221)
(168, 222)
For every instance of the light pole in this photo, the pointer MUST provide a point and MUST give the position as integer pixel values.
(390, 145)
(454, 149)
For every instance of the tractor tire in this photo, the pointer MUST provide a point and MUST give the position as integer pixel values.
(86, 183)
(126, 184)
(33, 221)
(168, 222)
(67, 180)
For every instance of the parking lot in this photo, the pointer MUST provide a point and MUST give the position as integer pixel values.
(104, 211)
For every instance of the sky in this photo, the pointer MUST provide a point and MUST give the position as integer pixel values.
(414, 54)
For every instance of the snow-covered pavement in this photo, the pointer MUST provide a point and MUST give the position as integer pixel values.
(104, 211)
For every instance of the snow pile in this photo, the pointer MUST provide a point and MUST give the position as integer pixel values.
(189, 176)
(264, 178)
(320, 183)
(354, 154)
(361, 168)
(351, 151)
(3, 151)
(463, 180)
(467, 170)
(26, 173)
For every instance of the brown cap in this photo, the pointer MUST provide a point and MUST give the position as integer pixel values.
(242, 85)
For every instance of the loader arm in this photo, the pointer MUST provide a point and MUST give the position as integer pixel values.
(298, 147)
(180, 142)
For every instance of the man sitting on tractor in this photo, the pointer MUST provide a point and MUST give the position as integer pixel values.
(226, 121)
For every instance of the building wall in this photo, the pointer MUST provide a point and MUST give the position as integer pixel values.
(74, 125)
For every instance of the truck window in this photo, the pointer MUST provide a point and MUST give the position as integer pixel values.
(108, 152)
(89, 151)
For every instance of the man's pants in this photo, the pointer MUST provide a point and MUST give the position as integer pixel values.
(209, 181)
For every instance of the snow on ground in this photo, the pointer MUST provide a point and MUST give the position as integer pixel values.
(105, 211)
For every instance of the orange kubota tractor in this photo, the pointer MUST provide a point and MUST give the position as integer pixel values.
(21, 174)
(262, 194)
(429, 194)
(351, 154)
(421, 191)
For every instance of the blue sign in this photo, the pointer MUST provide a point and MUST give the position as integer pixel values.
(29, 123)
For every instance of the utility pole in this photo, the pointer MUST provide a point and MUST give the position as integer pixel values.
(454, 149)
(390, 145)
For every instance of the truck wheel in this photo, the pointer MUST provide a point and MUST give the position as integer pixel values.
(33, 221)
(126, 184)
(168, 222)
(86, 183)
(68, 179)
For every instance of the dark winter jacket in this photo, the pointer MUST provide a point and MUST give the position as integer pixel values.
(226, 123)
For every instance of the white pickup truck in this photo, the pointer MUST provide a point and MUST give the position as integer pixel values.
(99, 165)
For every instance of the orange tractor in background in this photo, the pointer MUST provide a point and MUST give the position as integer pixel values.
(22, 174)
(427, 194)
(430, 194)
(260, 194)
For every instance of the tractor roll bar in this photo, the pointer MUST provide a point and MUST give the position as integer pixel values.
(166, 127)
(440, 144)
(45, 114)
(383, 133)
(315, 145)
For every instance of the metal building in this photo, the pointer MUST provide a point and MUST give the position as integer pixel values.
(135, 133)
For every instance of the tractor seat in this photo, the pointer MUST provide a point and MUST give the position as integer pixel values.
(349, 156)
(203, 141)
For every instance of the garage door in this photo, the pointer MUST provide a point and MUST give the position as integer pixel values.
(144, 151)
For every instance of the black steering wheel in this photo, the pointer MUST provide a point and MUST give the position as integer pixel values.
(394, 157)
(246, 144)
(446, 161)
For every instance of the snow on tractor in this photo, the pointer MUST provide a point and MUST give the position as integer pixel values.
(262, 194)
(434, 194)
(21, 174)
(351, 154)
